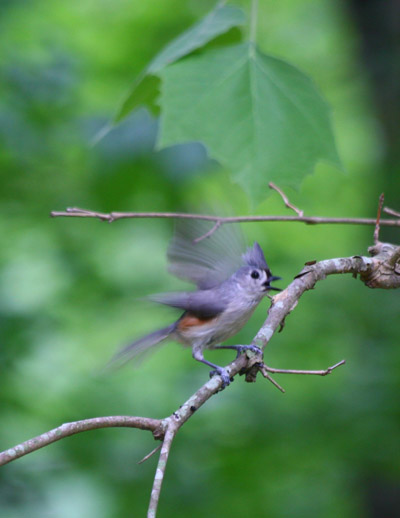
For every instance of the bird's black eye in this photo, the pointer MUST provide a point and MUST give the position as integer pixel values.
(255, 274)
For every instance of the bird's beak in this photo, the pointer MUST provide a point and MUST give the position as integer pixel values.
(274, 278)
(270, 279)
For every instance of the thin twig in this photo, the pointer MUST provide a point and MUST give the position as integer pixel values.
(271, 379)
(67, 429)
(378, 218)
(149, 455)
(265, 369)
(324, 372)
(285, 199)
(209, 233)
(391, 212)
(310, 220)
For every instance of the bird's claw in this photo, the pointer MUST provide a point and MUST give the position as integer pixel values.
(226, 379)
(253, 348)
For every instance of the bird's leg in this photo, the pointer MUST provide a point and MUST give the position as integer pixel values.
(226, 379)
(241, 348)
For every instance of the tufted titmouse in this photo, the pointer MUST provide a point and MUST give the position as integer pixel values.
(230, 285)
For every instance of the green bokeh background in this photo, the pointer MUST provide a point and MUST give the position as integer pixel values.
(70, 288)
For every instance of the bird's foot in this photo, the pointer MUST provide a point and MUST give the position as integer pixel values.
(242, 348)
(220, 371)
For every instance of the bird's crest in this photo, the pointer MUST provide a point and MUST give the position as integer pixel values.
(254, 256)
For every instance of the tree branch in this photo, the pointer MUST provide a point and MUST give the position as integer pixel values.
(375, 272)
(378, 271)
(161, 467)
(75, 212)
(265, 369)
(67, 429)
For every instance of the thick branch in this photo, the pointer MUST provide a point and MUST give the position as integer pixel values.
(376, 272)
(161, 467)
(311, 220)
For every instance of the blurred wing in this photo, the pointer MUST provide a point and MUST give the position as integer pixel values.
(202, 304)
(209, 261)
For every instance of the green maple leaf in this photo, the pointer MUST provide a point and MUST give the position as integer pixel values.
(145, 88)
(257, 115)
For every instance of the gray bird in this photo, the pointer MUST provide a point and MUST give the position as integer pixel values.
(230, 285)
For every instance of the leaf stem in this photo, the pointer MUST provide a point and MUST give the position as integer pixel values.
(253, 21)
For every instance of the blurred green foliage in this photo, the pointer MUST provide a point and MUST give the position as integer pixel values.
(70, 288)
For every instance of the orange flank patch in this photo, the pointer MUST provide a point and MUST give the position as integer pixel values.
(189, 321)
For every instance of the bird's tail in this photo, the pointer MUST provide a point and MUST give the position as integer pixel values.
(140, 346)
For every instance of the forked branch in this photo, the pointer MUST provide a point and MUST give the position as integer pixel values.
(379, 271)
